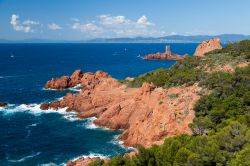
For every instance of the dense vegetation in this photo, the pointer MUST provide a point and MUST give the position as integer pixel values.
(221, 129)
(194, 69)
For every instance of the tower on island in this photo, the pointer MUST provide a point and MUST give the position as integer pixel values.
(168, 51)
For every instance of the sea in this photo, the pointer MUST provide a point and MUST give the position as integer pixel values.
(32, 137)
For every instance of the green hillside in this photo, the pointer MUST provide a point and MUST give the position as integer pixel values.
(221, 129)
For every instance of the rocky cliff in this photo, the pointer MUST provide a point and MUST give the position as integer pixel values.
(207, 46)
(147, 114)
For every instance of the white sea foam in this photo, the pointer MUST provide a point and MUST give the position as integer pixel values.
(116, 141)
(34, 109)
(50, 89)
(90, 123)
(91, 155)
(24, 158)
(32, 125)
(72, 117)
(76, 88)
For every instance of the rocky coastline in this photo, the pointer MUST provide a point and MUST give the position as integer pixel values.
(146, 115)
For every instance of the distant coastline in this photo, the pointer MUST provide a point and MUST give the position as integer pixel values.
(225, 38)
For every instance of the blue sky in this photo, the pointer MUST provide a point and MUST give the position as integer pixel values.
(86, 19)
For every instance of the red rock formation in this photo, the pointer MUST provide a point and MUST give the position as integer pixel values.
(147, 115)
(167, 55)
(207, 46)
(76, 78)
(84, 161)
(3, 104)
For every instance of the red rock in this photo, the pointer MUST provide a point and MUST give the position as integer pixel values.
(58, 83)
(167, 55)
(3, 104)
(207, 46)
(88, 80)
(82, 161)
(146, 114)
(75, 78)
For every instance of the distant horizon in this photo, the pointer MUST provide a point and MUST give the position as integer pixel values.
(91, 19)
(138, 39)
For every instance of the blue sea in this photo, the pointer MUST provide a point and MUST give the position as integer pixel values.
(29, 136)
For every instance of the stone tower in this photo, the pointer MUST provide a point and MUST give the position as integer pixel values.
(168, 51)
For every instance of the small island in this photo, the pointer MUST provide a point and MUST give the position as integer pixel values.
(167, 55)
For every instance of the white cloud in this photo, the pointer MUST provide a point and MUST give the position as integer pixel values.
(112, 20)
(25, 26)
(54, 26)
(118, 26)
(143, 21)
(91, 29)
(85, 27)
(30, 22)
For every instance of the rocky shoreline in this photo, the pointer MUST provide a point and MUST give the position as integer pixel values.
(147, 115)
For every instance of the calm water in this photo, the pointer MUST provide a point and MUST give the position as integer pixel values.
(29, 136)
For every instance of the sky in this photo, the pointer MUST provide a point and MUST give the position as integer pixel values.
(88, 19)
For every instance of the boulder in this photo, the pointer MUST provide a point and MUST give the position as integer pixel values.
(208, 46)
(3, 104)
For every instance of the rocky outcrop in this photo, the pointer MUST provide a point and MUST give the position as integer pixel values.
(167, 55)
(75, 79)
(207, 46)
(3, 104)
(83, 161)
(147, 114)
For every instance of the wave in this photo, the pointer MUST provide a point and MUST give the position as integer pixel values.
(90, 123)
(32, 125)
(1, 77)
(91, 155)
(116, 141)
(72, 117)
(120, 143)
(24, 158)
(76, 88)
(139, 56)
(34, 109)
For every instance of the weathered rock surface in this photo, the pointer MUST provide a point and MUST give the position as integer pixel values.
(76, 78)
(3, 104)
(207, 46)
(83, 161)
(147, 114)
(167, 55)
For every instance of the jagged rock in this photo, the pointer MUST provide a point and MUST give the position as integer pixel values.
(88, 80)
(3, 104)
(207, 46)
(84, 161)
(146, 114)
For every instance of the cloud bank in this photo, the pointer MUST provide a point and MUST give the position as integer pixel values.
(117, 26)
(25, 26)
(103, 26)
(54, 26)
